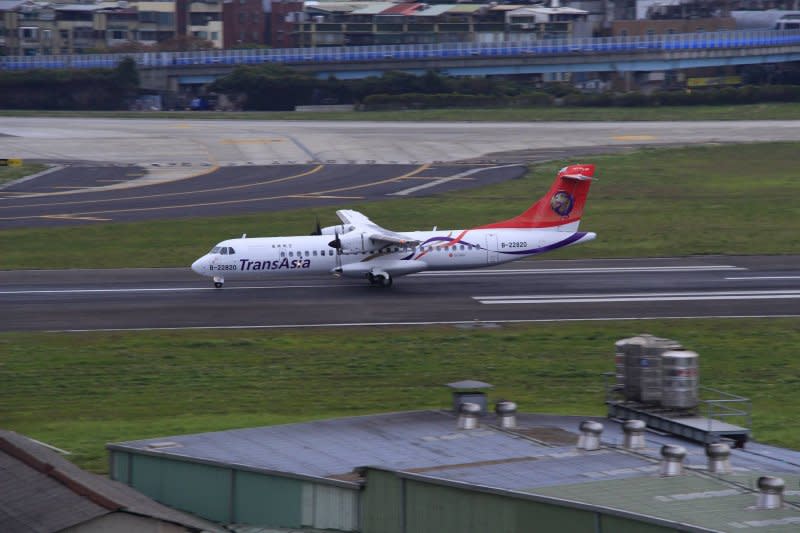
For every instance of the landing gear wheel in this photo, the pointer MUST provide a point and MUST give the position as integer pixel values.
(218, 282)
(380, 280)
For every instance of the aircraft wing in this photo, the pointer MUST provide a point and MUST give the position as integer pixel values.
(373, 231)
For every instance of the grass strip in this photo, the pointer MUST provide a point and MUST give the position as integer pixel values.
(80, 390)
(725, 199)
(765, 111)
(9, 174)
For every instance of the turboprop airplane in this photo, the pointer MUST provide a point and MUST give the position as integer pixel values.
(359, 248)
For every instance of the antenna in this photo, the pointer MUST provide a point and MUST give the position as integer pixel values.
(244, 235)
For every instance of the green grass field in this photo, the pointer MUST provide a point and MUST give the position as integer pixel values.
(732, 199)
(9, 174)
(767, 111)
(79, 391)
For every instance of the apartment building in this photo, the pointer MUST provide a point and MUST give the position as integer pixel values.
(382, 23)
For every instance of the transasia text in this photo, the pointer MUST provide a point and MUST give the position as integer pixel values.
(246, 264)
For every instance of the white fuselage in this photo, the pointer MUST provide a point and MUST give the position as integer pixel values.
(256, 258)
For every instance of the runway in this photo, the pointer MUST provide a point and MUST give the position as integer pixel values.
(526, 291)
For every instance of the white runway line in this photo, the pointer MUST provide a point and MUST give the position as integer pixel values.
(637, 297)
(761, 278)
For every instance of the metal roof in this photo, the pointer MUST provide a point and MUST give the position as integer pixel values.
(466, 8)
(537, 459)
(42, 491)
(433, 11)
(372, 8)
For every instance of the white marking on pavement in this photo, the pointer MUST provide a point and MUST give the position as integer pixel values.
(638, 297)
(763, 278)
(442, 181)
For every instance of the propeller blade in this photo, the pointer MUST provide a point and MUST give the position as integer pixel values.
(336, 243)
(318, 229)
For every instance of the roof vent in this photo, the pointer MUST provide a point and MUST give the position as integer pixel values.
(469, 391)
(590, 435)
(468, 415)
(507, 413)
(719, 454)
(770, 492)
(672, 463)
(634, 434)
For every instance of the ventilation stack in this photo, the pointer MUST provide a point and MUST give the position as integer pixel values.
(770, 492)
(507, 414)
(589, 439)
(468, 415)
(634, 434)
(719, 454)
(672, 460)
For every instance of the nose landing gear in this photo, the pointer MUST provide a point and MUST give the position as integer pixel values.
(218, 281)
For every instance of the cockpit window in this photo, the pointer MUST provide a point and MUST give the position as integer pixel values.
(224, 251)
(230, 251)
(215, 250)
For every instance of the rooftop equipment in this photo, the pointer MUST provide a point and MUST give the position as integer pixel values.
(506, 413)
(672, 460)
(589, 439)
(469, 391)
(770, 492)
(634, 434)
(719, 461)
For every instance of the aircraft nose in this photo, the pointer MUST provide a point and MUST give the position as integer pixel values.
(200, 265)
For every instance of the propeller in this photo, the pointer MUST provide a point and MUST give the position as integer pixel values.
(318, 229)
(337, 242)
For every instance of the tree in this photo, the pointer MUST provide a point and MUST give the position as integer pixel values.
(266, 87)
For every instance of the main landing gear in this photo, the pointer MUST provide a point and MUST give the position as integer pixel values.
(380, 280)
(218, 281)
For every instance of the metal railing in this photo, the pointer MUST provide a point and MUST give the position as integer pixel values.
(725, 40)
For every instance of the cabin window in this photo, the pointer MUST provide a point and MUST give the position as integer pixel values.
(307, 253)
(291, 254)
(315, 253)
(283, 254)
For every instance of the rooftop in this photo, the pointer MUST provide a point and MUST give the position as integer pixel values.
(42, 491)
(537, 459)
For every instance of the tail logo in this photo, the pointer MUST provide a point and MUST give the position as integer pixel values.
(561, 203)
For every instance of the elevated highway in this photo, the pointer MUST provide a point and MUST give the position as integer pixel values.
(169, 70)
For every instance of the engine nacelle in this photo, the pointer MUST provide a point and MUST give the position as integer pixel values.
(354, 242)
(341, 229)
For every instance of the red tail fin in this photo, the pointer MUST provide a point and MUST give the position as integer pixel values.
(562, 205)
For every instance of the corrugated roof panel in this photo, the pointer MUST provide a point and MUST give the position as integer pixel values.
(402, 9)
(372, 8)
(41, 502)
(466, 8)
(433, 11)
(718, 504)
